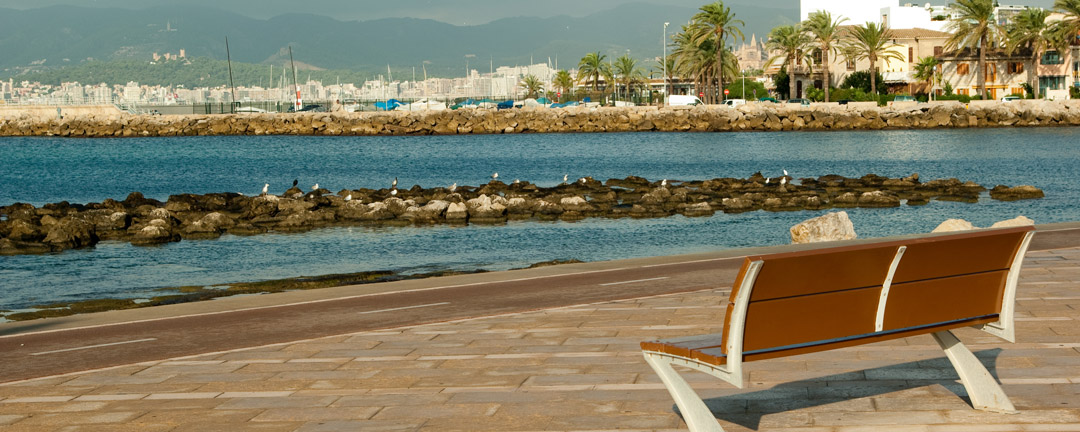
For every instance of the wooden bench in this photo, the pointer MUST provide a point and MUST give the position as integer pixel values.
(802, 302)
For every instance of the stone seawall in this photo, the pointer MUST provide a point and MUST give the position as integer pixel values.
(750, 117)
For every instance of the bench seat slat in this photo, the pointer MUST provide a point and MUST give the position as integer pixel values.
(917, 303)
(791, 321)
(925, 259)
(709, 352)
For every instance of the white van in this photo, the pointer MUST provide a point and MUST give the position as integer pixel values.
(684, 100)
(734, 102)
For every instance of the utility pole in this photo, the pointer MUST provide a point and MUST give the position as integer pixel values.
(663, 61)
(232, 103)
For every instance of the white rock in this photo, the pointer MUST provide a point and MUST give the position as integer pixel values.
(828, 227)
(1014, 222)
(954, 225)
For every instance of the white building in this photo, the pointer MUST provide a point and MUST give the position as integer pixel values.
(888, 12)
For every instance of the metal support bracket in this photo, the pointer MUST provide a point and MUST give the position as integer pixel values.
(984, 391)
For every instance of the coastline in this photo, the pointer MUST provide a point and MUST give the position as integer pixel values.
(107, 121)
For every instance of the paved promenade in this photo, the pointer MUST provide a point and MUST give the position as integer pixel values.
(577, 368)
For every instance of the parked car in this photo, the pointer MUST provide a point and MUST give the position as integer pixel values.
(683, 100)
(845, 101)
(799, 101)
(903, 98)
(767, 99)
(734, 102)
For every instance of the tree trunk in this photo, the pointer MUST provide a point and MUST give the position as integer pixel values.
(791, 79)
(982, 67)
(825, 63)
(873, 76)
(720, 65)
(1033, 78)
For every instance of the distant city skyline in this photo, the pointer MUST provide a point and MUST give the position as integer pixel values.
(457, 12)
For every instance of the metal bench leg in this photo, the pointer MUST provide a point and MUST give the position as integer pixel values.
(697, 416)
(984, 391)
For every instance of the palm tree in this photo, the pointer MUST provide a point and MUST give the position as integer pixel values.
(592, 66)
(926, 71)
(626, 69)
(871, 41)
(720, 22)
(826, 31)
(974, 27)
(532, 86)
(789, 43)
(563, 81)
(1030, 30)
(1069, 26)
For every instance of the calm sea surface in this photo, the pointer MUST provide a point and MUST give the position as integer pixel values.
(42, 170)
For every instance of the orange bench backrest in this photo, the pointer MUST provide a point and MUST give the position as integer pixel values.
(823, 299)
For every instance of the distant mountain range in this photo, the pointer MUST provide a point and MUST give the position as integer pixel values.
(57, 37)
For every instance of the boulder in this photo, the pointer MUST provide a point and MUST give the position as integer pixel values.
(878, 199)
(951, 225)
(457, 212)
(24, 230)
(828, 227)
(209, 226)
(71, 232)
(15, 247)
(1014, 222)
(575, 203)
(1005, 193)
(154, 233)
(698, 210)
(485, 207)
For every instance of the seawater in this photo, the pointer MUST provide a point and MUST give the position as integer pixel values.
(43, 170)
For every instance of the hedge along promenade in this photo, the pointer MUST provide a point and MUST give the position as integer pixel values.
(762, 116)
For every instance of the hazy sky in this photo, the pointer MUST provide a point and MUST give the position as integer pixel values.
(459, 12)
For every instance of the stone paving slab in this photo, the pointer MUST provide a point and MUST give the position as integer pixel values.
(578, 368)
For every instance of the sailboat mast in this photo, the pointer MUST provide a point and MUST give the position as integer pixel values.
(296, 86)
(228, 56)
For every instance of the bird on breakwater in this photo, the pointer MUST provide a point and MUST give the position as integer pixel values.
(767, 180)
(582, 180)
(393, 184)
(295, 182)
(565, 177)
(453, 187)
(516, 181)
(495, 176)
(348, 197)
(663, 183)
(266, 187)
(785, 173)
(315, 187)
(393, 192)
(783, 181)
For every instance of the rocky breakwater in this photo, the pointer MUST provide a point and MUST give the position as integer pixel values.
(749, 117)
(26, 229)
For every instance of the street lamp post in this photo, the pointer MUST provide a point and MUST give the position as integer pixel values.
(663, 61)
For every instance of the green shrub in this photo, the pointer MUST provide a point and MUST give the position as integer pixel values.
(861, 80)
(815, 94)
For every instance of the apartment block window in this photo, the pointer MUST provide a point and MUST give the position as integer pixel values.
(962, 69)
(1016, 67)
(939, 50)
(1052, 58)
(850, 65)
(1051, 83)
(962, 92)
(910, 54)
(817, 56)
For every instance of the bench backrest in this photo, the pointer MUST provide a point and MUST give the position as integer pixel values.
(817, 300)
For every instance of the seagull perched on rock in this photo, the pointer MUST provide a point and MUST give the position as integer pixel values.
(582, 180)
(495, 176)
(315, 187)
(785, 173)
(516, 181)
(295, 182)
(393, 192)
(266, 187)
(767, 180)
(783, 181)
(453, 187)
(663, 183)
(565, 177)
(393, 184)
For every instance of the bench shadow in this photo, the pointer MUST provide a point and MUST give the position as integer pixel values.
(28, 328)
(747, 408)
